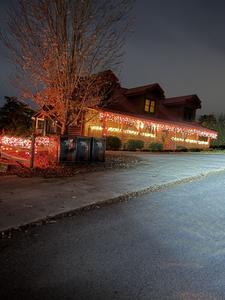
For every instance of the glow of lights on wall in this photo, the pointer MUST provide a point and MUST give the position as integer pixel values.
(97, 128)
(114, 129)
(148, 134)
(132, 132)
(127, 131)
(146, 123)
(189, 141)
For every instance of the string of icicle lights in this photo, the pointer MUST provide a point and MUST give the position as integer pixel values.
(156, 125)
(24, 142)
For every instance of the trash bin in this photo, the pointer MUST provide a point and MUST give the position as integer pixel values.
(83, 151)
(98, 149)
(68, 149)
(81, 148)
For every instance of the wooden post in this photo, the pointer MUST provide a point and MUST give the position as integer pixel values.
(32, 151)
(44, 128)
(36, 124)
(209, 141)
(104, 124)
(58, 150)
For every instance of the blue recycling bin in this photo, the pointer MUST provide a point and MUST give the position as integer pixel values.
(83, 148)
(68, 149)
(98, 149)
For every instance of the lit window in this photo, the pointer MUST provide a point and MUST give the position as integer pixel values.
(152, 106)
(203, 138)
(147, 105)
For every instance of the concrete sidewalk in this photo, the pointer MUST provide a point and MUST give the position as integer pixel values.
(28, 200)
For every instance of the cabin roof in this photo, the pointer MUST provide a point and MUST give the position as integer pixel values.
(181, 100)
(142, 89)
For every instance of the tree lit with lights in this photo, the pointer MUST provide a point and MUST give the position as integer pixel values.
(61, 48)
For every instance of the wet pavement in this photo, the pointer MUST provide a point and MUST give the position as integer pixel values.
(168, 244)
(27, 200)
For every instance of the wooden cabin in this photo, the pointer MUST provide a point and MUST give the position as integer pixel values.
(144, 113)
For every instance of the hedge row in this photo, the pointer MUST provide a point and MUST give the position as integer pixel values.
(114, 143)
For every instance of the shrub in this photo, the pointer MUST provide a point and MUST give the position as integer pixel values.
(194, 150)
(156, 147)
(133, 145)
(181, 149)
(220, 147)
(113, 143)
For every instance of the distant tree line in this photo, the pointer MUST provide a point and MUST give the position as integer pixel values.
(216, 123)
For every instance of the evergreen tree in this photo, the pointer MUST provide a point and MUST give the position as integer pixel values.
(217, 124)
(15, 117)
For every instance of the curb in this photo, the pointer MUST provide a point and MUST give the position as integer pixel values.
(7, 233)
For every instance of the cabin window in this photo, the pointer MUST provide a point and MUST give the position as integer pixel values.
(40, 124)
(147, 105)
(188, 114)
(203, 138)
(150, 106)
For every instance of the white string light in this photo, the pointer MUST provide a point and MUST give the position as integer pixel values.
(165, 125)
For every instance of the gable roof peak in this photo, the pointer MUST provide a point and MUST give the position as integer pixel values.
(142, 89)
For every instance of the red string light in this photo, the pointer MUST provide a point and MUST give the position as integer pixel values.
(24, 143)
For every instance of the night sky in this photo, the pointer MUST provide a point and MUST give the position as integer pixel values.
(178, 43)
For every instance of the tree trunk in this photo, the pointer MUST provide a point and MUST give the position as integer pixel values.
(63, 129)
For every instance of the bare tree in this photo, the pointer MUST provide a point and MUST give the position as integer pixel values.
(61, 48)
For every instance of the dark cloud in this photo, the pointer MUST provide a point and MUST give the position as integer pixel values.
(178, 43)
(181, 45)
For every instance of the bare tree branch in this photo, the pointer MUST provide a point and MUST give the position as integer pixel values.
(61, 48)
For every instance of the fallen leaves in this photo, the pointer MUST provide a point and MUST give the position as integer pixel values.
(113, 161)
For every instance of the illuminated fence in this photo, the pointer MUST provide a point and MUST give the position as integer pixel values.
(19, 149)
